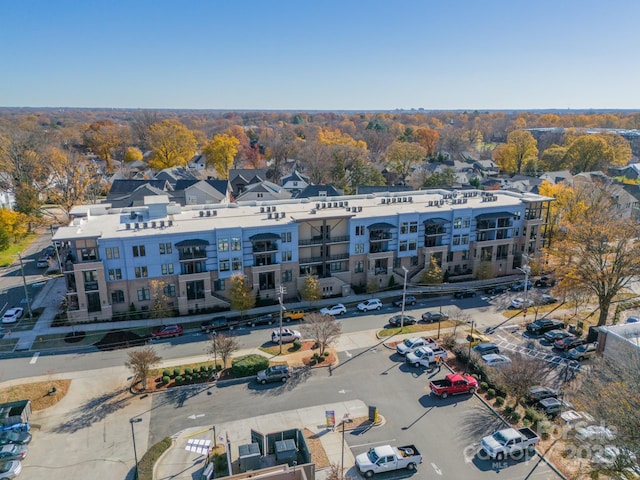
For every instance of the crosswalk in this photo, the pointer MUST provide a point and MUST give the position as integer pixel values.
(543, 355)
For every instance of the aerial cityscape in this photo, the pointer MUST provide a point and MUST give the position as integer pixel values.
(319, 241)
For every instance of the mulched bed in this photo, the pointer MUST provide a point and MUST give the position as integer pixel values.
(120, 339)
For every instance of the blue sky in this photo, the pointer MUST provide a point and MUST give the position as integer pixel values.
(320, 54)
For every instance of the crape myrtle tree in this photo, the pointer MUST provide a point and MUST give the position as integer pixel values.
(599, 252)
(323, 329)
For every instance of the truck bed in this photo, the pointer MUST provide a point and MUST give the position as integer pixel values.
(528, 433)
(441, 383)
(408, 451)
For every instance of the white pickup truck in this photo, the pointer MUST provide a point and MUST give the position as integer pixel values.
(425, 356)
(510, 442)
(386, 458)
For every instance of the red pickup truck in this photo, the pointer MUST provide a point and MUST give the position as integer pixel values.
(454, 384)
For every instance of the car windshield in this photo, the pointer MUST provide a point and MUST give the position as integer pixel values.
(5, 467)
(499, 437)
(408, 342)
(373, 456)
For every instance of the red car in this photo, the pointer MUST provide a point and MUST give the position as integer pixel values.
(167, 331)
(568, 343)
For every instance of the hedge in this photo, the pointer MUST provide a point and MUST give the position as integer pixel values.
(248, 365)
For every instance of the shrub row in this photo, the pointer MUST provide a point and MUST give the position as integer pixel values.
(248, 365)
(206, 370)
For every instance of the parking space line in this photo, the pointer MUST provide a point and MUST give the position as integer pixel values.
(34, 359)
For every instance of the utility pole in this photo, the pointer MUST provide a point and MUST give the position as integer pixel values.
(281, 292)
(404, 297)
(26, 290)
(55, 246)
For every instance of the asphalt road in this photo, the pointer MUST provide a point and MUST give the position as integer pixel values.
(446, 432)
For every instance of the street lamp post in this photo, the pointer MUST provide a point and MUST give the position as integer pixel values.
(525, 269)
(26, 290)
(404, 296)
(133, 436)
(470, 342)
(280, 295)
(345, 419)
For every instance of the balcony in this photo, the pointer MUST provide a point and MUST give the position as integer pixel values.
(378, 247)
(379, 236)
(191, 255)
(90, 286)
(323, 240)
(265, 247)
(330, 258)
(262, 260)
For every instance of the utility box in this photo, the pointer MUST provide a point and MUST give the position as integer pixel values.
(373, 414)
(286, 451)
(249, 457)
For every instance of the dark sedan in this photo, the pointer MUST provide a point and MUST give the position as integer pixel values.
(16, 438)
(396, 320)
(568, 343)
(430, 317)
(465, 293)
(409, 300)
(553, 335)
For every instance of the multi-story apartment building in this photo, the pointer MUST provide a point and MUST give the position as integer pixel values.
(113, 257)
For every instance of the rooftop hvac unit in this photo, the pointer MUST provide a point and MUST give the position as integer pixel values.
(209, 213)
(144, 225)
(273, 209)
(317, 206)
(313, 211)
(133, 215)
(346, 203)
(201, 213)
(464, 200)
(410, 199)
(214, 213)
(348, 209)
(153, 224)
(128, 226)
(281, 214)
(359, 209)
(136, 225)
(171, 223)
(269, 216)
(430, 203)
(161, 223)
(261, 209)
(441, 202)
(341, 204)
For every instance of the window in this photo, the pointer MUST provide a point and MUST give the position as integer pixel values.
(236, 264)
(465, 239)
(223, 245)
(90, 276)
(414, 261)
(358, 267)
(359, 248)
(456, 240)
(465, 255)
(287, 276)
(117, 296)
(113, 252)
(413, 244)
(218, 285)
(167, 268)
(115, 274)
(144, 294)
(223, 265)
(259, 195)
(360, 230)
(404, 227)
(403, 245)
(457, 222)
(141, 272)
(165, 248)
(336, 266)
(286, 237)
(413, 227)
(170, 290)
(236, 244)
(450, 258)
(139, 251)
(466, 222)
(286, 256)
(195, 290)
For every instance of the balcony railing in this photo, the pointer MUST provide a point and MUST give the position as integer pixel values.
(379, 236)
(192, 255)
(320, 239)
(330, 258)
(90, 286)
(262, 247)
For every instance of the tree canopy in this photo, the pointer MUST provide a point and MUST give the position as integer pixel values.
(172, 144)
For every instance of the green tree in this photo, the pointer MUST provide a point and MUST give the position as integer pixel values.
(311, 291)
(160, 300)
(402, 157)
(241, 293)
(172, 144)
(5, 239)
(520, 149)
(444, 179)
(433, 275)
(221, 152)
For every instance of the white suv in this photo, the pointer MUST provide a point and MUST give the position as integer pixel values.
(288, 335)
(372, 304)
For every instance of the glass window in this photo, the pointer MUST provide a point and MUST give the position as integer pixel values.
(465, 239)
(167, 268)
(413, 244)
(170, 290)
(218, 285)
(139, 251)
(456, 239)
(287, 276)
(165, 248)
(223, 245)
(141, 272)
(413, 227)
(466, 222)
(359, 248)
(236, 245)
(144, 294)
(223, 265)
(117, 296)
(358, 267)
(457, 222)
(286, 237)
(115, 274)
(404, 227)
(360, 230)
(236, 264)
(113, 252)
(286, 256)
(403, 245)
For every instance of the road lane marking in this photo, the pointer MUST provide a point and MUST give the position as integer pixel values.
(436, 469)
(194, 416)
(382, 442)
(34, 359)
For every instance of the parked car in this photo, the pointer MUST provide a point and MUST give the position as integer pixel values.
(539, 392)
(215, 324)
(496, 360)
(275, 373)
(509, 442)
(10, 469)
(12, 315)
(371, 304)
(431, 317)
(43, 262)
(497, 289)
(291, 315)
(548, 299)
(397, 319)
(550, 406)
(568, 343)
(409, 344)
(544, 325)
(633, 320)
(594, 433)
(425, 356)
(453, 384)
(519, 302)
(386, 458)
(266, 319)
(17, 438)
(468, 293)
(544, 282)
(519, 286)
(334, 310)
(167, 331)
(582, 352)
(476, 338)
(288, 335)
(12, 452)
(486, 348)
(409, 300)
(553, 335)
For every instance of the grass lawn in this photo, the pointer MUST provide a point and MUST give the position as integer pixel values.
(38, 393)
(416, 328)
(10, 255)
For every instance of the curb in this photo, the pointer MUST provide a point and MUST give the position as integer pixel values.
(161, 457)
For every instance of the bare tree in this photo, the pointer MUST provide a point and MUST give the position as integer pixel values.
(223, 345)
(323, 329)
(140, 362)
(519, 376)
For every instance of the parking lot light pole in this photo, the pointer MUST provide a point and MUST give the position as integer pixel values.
(345, 418)
(470, 341)
(525, 269)
(280, 295)
(26, 289)
(404, 297)
(133, 436)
